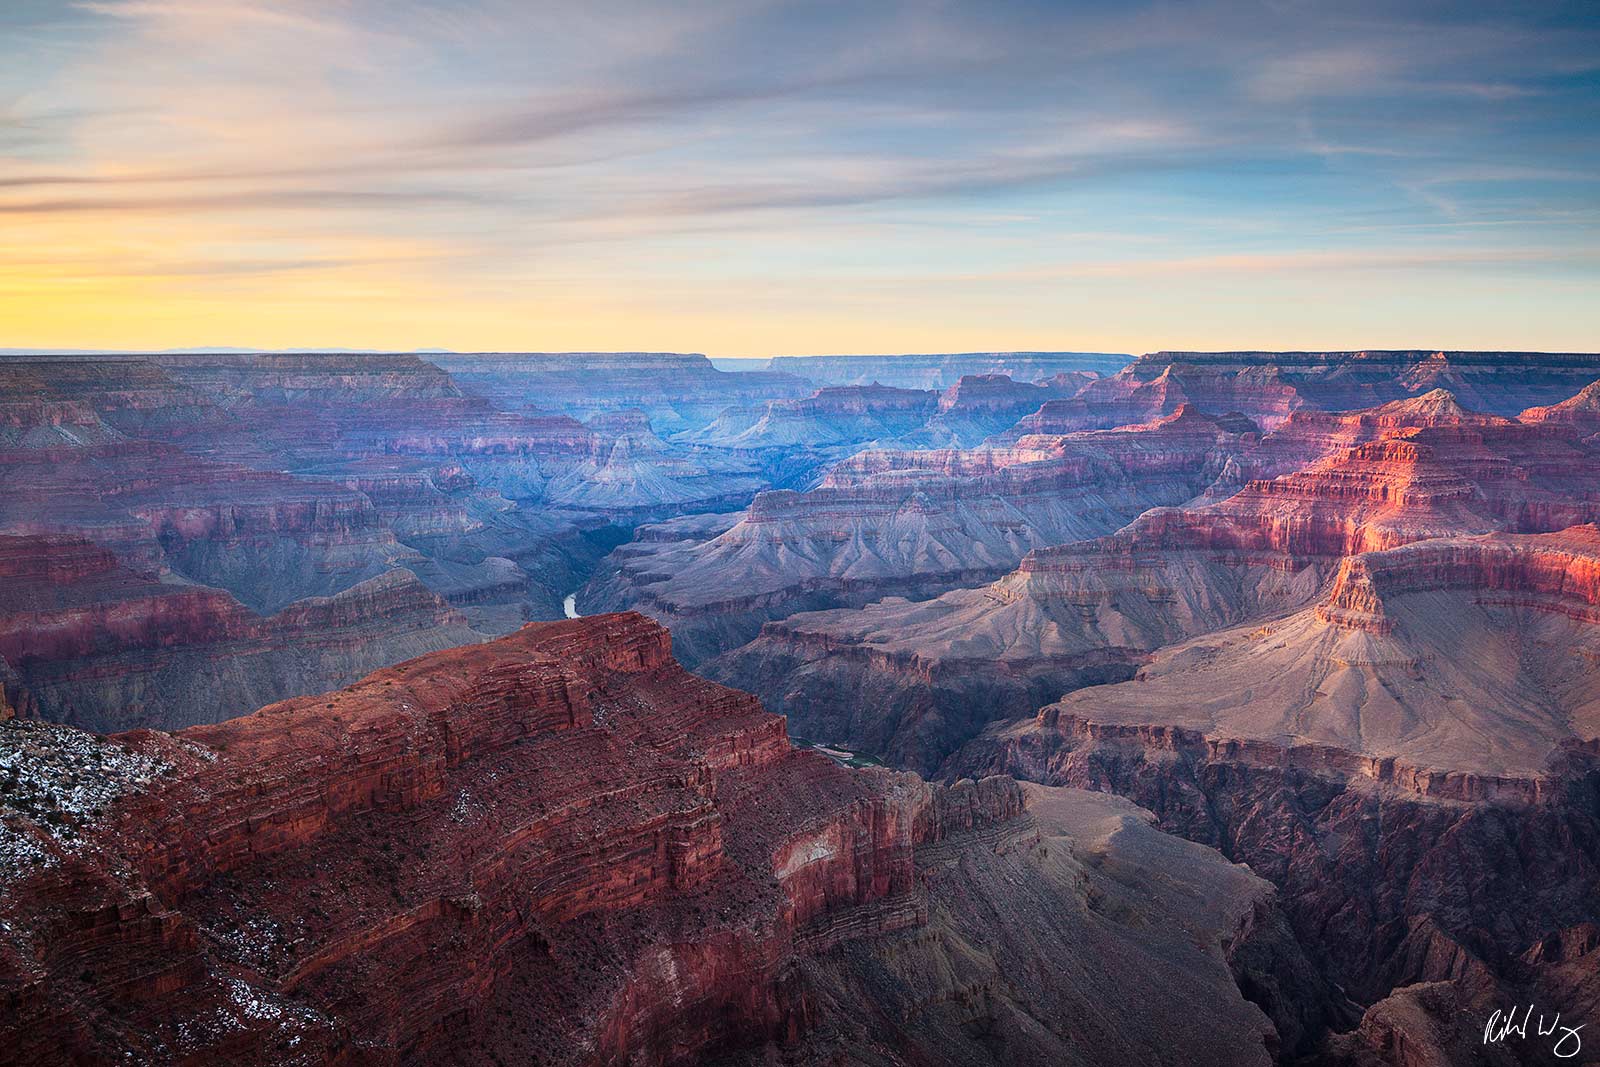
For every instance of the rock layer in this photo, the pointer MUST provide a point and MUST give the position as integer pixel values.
(88, 641)
(1270, 386)
(896, 522)
(561, 848)
(1392, 883)
(1091, 612)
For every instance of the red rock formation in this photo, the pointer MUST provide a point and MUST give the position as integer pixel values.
(1501, 383)
(1310, 435)
(281, 477)
(1580, 413)
(566, 822)
(1386, 884)
(1475, 476)
(34, 415)
(1090, 612)
(997, 393)
(981, 405)
(1133, 396)
(1411, 760)
(1552, 572)
(267, 537)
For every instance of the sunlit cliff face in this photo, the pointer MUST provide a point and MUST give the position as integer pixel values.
(753, 177)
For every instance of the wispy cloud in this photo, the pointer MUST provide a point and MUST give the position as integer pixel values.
(635, 140)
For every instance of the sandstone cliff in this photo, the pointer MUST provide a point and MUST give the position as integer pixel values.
(561, 848)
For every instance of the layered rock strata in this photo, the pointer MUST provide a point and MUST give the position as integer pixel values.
(912, 522)
(1091, 612)
(1269, 387)
(89, 641)
(560, 848)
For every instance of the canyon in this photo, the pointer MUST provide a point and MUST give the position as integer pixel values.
(1362, 662)
(1091, 611)
(452, 500)
(893, 522)
(561, 848)
(1262, 681)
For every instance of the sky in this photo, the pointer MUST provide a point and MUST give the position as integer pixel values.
(753, 178)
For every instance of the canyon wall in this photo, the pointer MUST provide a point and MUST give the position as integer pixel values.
(86, 640)
(911, 523)
(1426, 911)
(561, 848)
(1093, 611)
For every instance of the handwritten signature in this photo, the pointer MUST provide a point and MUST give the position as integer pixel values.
(1504, 1025)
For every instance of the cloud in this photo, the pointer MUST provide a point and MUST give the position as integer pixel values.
(1333, 72)
(637, 140)
(329, 199)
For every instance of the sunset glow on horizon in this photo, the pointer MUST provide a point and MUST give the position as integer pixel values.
(752, 178)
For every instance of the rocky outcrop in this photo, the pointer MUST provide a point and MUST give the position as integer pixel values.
(1460, 666)
(1132, 395)
(1558, 573)
(1411, 761)
(912, 522)
(266, 537)
(1309, 436)
(561, 848)
(1008, 967)
(1579, 413)
(270, 379)
(981, 405)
